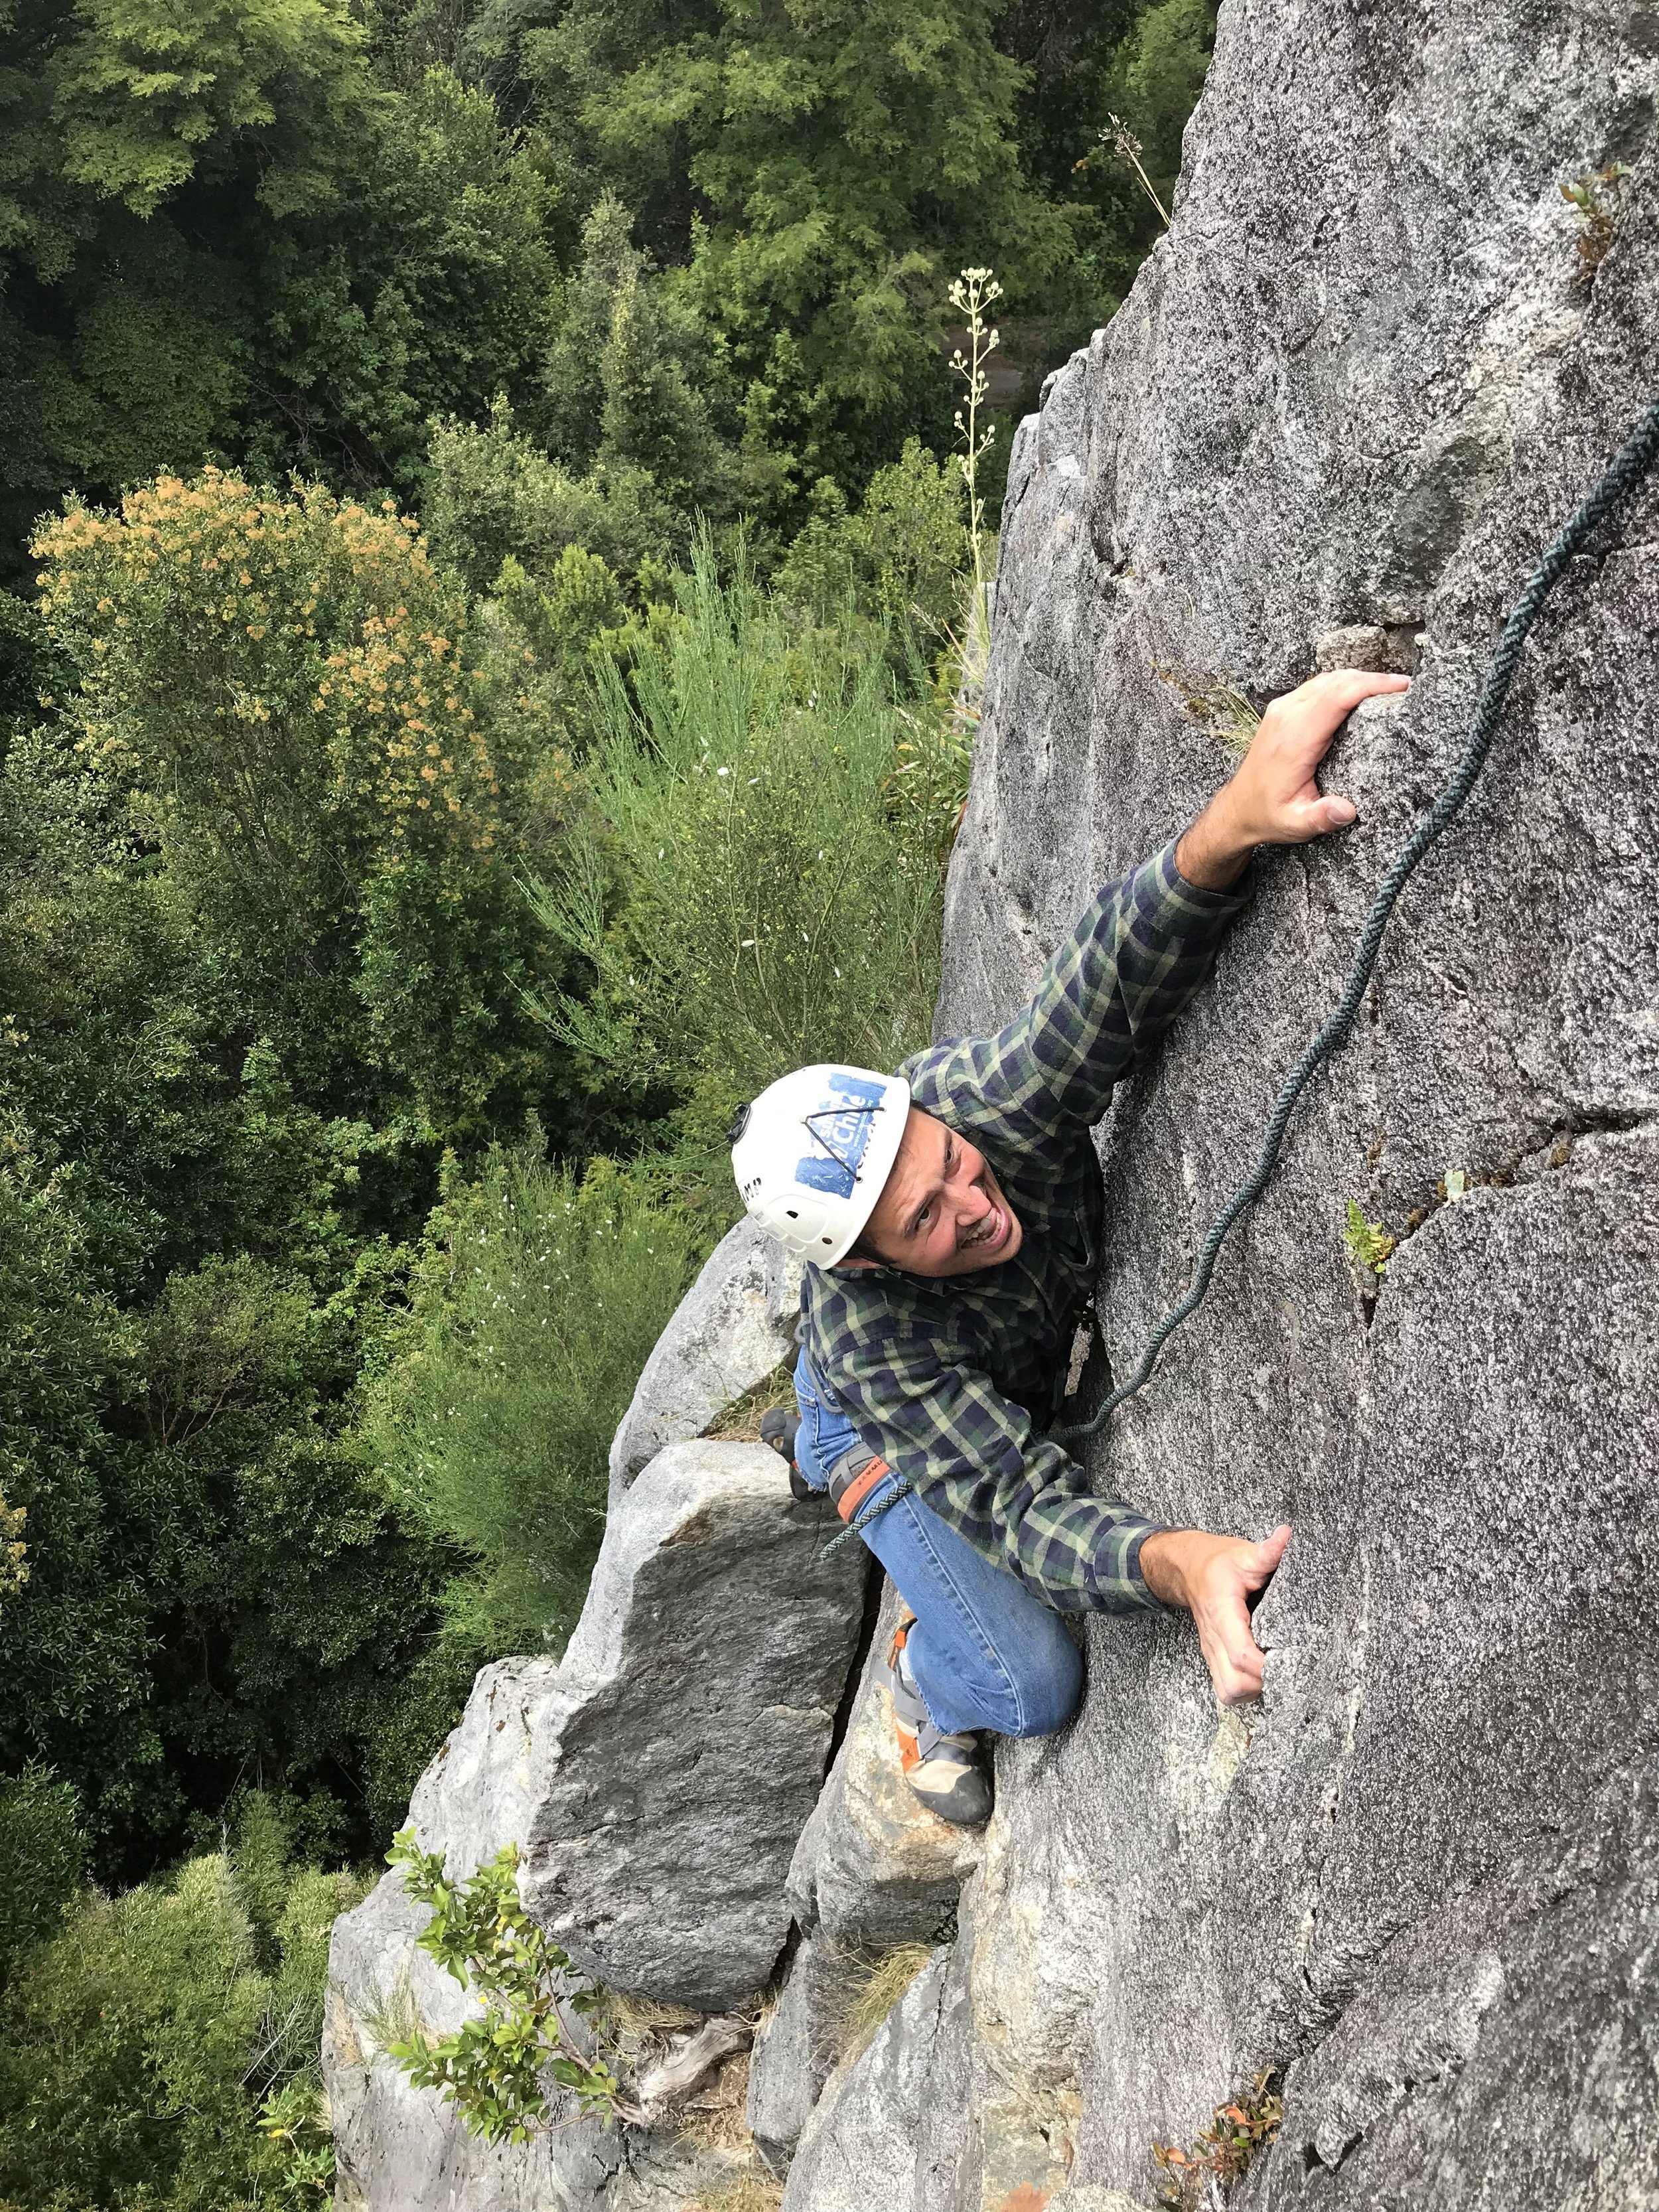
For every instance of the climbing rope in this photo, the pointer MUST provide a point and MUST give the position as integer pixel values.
(1626, 469)
(1624, 472)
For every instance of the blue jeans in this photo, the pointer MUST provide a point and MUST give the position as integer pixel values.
(985, 1653)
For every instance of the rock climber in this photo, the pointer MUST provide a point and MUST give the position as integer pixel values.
(950, 1217)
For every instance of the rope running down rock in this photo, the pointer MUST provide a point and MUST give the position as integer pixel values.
(1624, 472)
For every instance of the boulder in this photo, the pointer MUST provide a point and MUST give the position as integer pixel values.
(1357, 388)
(664, 1767)
(677, 1762)
(735, 1325)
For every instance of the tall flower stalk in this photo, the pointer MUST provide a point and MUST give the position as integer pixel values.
(972, 294)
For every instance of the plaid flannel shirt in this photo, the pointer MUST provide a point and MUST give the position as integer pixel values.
(953, 1381)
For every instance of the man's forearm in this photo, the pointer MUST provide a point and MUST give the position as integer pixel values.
(1213, 854)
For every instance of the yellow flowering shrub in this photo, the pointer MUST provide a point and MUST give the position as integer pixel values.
(293, 664)
(284, 689)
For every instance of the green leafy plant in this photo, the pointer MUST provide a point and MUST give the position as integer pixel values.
(1370, 1245)
(1595, 196)
(536, 1303)
(491, 2069)
(1223, 2153)
(294, 2120)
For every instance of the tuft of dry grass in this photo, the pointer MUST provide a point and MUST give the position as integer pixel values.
(642, 2018)
(715, 2119)
(739, 1422)
(750, 2192)
(873, 1996)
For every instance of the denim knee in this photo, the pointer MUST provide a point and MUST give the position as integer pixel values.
(1047, 1672)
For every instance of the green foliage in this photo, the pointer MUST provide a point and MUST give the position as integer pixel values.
(227, 238)
(42, 1856)
(283, 688)
(539, 1297)
(139, 2041)
(491, 2068)
(745, 899)
(1370, 1245)
(256, 959)
(896, 561)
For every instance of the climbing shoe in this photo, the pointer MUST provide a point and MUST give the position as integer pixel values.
(946, 1772)
(779, 1426)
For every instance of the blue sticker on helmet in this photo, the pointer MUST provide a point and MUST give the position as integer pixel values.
(841, 1125)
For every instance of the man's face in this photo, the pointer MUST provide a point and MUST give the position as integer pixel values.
(941, 1212)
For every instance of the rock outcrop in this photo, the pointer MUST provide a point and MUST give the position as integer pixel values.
(1371, 368)
(733, 1327)
(657, 1779)
(680, 1753)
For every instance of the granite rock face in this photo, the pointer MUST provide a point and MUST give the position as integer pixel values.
(680, 1754)
(733, 1327)
(1356, 389)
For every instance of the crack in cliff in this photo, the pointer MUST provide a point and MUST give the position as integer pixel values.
(1532, 1157)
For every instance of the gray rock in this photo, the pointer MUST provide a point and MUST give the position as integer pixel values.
(679, 1756)
(1359, 384)
(858, 2152)
(732, 1329)
(398, 2149)
(874, 1868)
(794, 2047)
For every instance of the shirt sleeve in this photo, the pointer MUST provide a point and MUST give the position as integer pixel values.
(1140, 952)
(972, 1456)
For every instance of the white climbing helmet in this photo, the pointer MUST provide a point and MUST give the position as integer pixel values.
(813, 1151)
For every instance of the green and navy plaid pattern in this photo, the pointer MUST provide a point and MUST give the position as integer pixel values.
(953, 1383)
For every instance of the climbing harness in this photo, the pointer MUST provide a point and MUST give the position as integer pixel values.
(1623, 473)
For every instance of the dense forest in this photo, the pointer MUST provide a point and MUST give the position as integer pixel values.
(487, 647)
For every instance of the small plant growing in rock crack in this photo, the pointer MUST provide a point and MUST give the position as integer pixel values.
(1222, 2155)
(492, 2068)
(1595, 196)
(1370, 1245)
(1226, 713)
